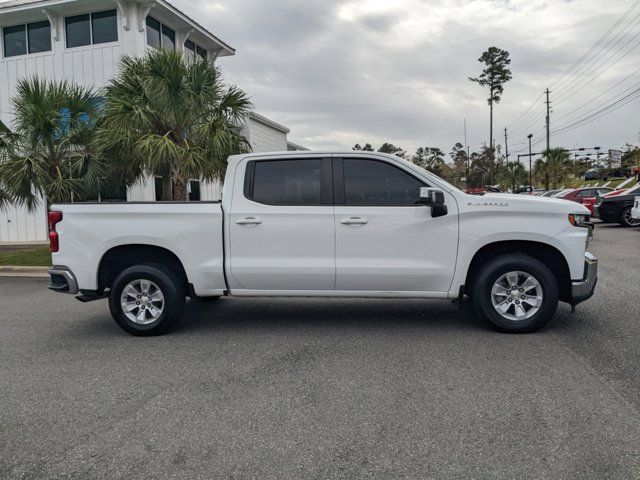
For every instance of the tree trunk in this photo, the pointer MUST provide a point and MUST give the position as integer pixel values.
(491, 125)
(180, 185)
(167, 188)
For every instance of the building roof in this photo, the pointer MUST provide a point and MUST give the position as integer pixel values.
(294, 147)
(267, 121)
(10, 6)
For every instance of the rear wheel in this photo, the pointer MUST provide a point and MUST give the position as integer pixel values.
(146, 299)
(516, 293)
(626, 220)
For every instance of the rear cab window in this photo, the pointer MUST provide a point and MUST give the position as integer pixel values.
(304, 182)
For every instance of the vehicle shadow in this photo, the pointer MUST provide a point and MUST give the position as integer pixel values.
(292, 313)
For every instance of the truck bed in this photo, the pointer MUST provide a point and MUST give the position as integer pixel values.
(190, 230)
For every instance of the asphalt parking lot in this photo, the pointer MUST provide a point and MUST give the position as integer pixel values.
(276, 389)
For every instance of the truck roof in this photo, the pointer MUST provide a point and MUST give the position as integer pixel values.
(311, 153)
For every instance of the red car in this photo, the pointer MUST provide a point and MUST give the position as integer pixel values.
(590, 203)
(580, 194)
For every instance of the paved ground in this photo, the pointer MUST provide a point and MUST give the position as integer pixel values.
(275, 389)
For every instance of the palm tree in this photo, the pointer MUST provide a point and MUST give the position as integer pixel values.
(5, 142)
(48, 155)
(172, 116)
(553, 169)
(510, 175)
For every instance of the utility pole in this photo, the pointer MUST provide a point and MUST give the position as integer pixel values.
(530, 136)
(466, 147)
(548, 121)
(506, 154)
(506, 145)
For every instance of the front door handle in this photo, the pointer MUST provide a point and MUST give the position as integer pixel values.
(354, 221)
(249, 221)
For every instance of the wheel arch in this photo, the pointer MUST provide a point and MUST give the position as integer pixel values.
(121, 257)
(547, 254)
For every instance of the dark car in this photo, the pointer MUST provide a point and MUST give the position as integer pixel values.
(617, 209)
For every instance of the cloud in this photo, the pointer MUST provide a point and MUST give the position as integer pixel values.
(340, 72)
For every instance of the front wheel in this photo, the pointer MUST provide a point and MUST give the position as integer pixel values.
(626, 220)
(516, 293)
(146, 300)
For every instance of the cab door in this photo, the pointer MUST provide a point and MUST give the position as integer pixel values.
(385, 240)
(281, 227)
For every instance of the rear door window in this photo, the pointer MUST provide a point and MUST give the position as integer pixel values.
(286, 182)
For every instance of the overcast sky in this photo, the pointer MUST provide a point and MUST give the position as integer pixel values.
(340, 72)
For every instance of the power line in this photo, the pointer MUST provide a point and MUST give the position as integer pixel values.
(619, 37)
(589, 80)
(577, 62)
(566, 90)
(515, 122)
(600, 113)
(637, 84)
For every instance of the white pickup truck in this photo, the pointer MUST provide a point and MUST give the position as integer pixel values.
(316, 224)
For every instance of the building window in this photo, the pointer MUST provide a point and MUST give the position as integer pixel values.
(194, 190)
(159, 35)
(158, 183)
(153, 32)
(30, 38)
(104, 26)
(168, 38)
(195, 49)
(91, 28)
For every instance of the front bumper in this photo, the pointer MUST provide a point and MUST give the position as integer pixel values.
(63, 280)
(583, 289)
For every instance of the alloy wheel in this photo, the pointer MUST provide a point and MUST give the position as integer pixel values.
(517, 296)
(142, 301)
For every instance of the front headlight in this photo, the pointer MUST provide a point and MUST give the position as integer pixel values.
(582, 221)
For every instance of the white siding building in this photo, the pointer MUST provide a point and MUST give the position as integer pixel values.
(82, 41)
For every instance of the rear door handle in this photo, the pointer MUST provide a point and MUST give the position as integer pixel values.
(354, 221)
(249, 221)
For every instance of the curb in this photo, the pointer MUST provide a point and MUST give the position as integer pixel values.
(31, 272)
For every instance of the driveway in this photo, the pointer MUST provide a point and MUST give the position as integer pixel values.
(308, 388)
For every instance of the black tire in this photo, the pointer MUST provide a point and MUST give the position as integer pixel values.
(493, 270)
(172, 290)
(626, 220)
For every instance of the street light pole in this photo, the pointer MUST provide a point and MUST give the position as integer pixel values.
(530, 136)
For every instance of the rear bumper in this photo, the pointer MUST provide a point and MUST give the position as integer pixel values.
(583, 289)
(63, 280)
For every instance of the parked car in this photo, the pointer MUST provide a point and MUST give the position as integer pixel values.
(635, 211)
(561, 193)
(550, 193)
(594, 173)
(619, 191)
(590, 203)
(326, 225)
(617, 208)
(581, 194)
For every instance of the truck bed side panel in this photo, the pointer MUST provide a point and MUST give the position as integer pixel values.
(192, 231)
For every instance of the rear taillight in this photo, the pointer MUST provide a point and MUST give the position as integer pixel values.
(54, 219)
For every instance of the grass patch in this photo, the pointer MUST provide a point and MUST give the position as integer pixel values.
(39, 256)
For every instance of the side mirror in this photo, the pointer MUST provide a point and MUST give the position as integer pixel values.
(433, 197)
